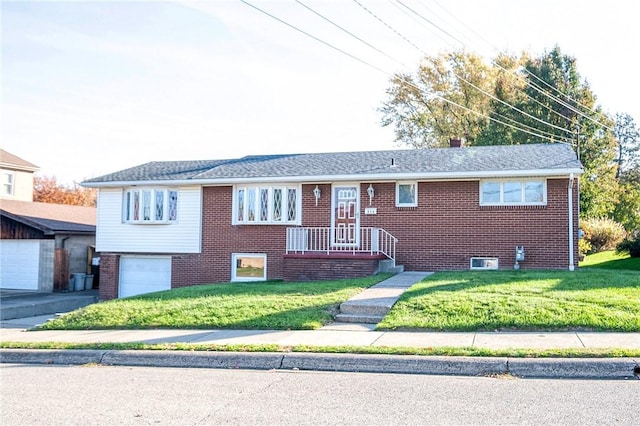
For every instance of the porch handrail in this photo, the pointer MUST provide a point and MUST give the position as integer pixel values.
(320, 239)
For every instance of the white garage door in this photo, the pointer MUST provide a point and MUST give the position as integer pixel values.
(19, 264)
(144, 274)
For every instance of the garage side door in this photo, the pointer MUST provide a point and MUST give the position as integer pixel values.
(19, 264)
(144, 274)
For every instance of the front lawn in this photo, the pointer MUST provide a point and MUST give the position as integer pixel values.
(611, 260)
(590, 299)
(255, 305)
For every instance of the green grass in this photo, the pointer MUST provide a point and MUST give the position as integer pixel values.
(590, 299)
(254, 305)
(382, 350)
(611, 260)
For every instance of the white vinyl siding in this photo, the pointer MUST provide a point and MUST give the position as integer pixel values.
(181, 236)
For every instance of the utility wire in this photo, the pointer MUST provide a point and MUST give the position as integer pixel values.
(460, 77)
(313, 37)
(391, 75)
(529, 83)
(350, 33)
(550, 135)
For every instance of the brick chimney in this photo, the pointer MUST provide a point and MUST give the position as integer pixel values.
(455, 143)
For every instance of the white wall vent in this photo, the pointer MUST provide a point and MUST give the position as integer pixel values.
(484, 263)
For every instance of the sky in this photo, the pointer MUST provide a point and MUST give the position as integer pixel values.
(90, 88)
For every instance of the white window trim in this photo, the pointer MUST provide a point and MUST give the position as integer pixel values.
(492, 261)
(165, 208)
(523, 181)
(11, 185)
(234, 261)
(409, 182)
(269, 221)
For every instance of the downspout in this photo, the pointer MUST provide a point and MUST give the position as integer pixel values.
(570, 193)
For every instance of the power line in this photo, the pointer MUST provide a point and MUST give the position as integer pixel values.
(529, 83)
(390, 74)
(350, 33)
(457, 75)
(548, 135)
(313, 37)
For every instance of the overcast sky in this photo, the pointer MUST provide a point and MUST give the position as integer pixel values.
(89, 88)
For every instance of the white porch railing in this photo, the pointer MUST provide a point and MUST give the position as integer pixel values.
(320, 239)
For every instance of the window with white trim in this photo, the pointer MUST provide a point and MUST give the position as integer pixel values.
(266, 204)
(513, 192)
(7, 183)
(150, 205)
(248, 267)
(406, 194)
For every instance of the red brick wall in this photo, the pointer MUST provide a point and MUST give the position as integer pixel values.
(109, 275)
(323, 267)
(443, 232)
(449, 226)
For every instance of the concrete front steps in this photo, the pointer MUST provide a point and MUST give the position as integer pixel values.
(370, 306)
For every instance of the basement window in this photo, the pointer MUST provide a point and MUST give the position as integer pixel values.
(483, 263)
(248, 267)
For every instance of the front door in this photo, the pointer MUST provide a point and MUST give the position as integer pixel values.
(345, 217)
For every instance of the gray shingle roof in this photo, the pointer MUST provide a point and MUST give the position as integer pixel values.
(432, 162)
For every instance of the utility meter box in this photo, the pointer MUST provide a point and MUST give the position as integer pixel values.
(519, 253)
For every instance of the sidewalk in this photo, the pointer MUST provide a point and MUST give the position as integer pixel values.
(336, 334)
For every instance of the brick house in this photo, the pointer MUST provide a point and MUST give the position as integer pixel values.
(170, 224)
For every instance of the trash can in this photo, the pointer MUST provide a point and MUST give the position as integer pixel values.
(78, 281)
(71, 284)
(88, 282)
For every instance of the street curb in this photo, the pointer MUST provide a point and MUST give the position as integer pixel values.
(583, 368)
(405, 364)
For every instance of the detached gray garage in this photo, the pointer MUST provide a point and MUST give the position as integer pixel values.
(144, 274)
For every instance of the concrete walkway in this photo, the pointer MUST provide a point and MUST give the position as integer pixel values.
(371, 305)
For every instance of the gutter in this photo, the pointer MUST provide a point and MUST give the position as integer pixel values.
(368, 177)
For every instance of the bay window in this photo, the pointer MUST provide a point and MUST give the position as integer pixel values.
(150, 205)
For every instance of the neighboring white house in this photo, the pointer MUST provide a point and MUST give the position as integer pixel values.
(16, 177)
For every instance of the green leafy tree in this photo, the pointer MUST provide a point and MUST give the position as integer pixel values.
(421, 106)
(628, 137)
(534, 100)
(627, 210)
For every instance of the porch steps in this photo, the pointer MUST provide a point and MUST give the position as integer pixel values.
(388, 265)
(370, 306)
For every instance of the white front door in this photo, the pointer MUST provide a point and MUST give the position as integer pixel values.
(345, 216)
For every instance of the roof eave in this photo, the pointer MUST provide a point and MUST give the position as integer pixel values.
(347, 177)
